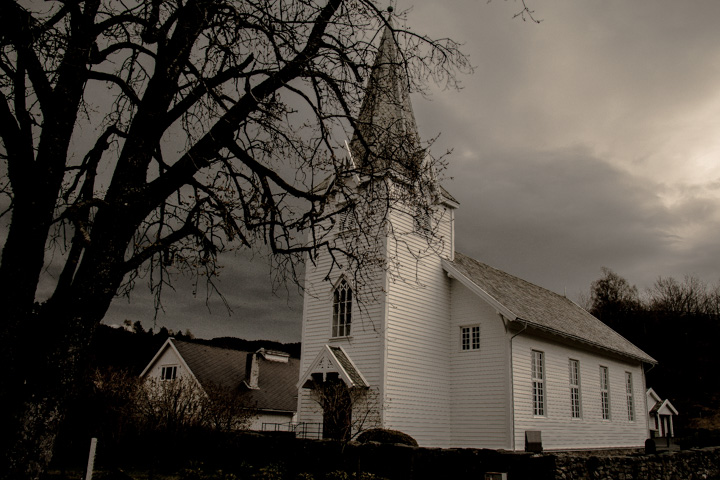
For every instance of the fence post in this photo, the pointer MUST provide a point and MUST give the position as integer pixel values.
(91, 459)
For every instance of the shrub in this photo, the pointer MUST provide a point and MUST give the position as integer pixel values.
(338, 475)
(341, 475)
(383, 435)
(271, 472)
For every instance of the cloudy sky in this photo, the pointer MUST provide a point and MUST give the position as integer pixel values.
(589, 140)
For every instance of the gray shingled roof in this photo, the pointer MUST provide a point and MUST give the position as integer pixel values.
(348, 366)
(226, 368)
(543, 309)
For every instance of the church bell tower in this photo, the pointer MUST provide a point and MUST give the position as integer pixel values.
(375, 326)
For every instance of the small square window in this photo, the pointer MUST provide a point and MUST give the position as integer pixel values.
(470, 337)
(168, 372)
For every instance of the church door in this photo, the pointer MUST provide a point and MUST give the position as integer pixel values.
(337, 411)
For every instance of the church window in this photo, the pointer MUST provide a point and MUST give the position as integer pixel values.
(168, 372)
(538, 383)
(605, 393)
(346, 221)
(630, 398)
(574, 388)
(470, 337)
(342, 310)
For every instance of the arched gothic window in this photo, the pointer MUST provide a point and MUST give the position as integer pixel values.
(342, 310)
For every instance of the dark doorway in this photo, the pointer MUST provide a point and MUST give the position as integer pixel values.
(337, 409)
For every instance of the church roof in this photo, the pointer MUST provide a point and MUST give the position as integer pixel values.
(531, 305)
(386, 134)
(226, 368)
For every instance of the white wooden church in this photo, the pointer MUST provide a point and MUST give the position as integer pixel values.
(457, 353)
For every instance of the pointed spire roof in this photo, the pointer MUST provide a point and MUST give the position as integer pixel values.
(386, 136)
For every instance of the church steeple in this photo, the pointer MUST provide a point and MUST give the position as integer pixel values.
(386, 135)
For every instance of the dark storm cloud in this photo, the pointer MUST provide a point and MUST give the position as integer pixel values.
(589, 140)
(557, 218)
(586, 141)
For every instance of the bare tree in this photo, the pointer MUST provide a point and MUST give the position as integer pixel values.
(144, 137)
(612, 299)
(226, 410)
(170, 405)
(689, 297)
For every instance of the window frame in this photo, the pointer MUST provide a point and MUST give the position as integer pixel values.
(630, 396)
(605, 393)
(575, 390)
(422, 222)
(347, 223)
(342, 300)
(537, 377)
(471, 333)
(165, 372)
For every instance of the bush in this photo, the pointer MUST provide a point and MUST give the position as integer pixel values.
(271, 472)
(341, 475)
(383, 435)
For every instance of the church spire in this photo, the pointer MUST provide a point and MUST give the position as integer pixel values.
(386, 135)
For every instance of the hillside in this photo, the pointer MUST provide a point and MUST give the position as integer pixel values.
(132, 350)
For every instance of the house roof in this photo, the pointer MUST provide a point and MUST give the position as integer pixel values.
(531, 305)
(226, 368)
(663, 407)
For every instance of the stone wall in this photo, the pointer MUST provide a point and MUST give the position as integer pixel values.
(230, 451)
(693, 464)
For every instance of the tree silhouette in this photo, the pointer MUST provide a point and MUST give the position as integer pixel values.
(141, 139)
(677, 323)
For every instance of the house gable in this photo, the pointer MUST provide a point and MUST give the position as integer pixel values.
(168, 354)
(656, 404)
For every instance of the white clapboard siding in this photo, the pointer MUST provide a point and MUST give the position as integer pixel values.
(479, 378)
(418, 337)
(365, 344)
(559, 430)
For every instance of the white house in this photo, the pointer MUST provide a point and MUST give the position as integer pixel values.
(459, 354)
(660, 415)
(264, 379)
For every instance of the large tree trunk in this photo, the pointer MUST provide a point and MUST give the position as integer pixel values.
(45, 352)
(53, 360)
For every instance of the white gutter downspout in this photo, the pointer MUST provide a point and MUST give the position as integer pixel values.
(647, 416)
(512, 387)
